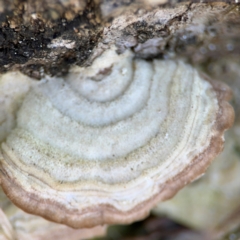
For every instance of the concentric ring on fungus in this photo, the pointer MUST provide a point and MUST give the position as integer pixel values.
(108, 142)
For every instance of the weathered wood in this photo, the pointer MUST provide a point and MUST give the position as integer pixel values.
(48, 36)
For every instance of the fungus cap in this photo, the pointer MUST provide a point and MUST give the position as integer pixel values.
(108, 142)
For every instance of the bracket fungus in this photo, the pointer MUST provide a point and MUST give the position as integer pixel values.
(106, 143)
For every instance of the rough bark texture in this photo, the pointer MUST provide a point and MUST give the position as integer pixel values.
(40, 37)
(28, 28)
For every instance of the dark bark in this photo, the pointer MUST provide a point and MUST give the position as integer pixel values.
(39, 37)
(29, 27)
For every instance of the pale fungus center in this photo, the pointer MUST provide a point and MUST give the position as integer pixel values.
(107, 138)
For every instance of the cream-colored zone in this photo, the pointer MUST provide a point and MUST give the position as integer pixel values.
(113, 133)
